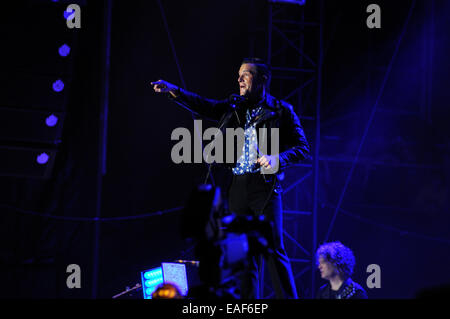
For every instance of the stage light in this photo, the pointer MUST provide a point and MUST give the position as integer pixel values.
(167, 291)
(149, 292)
(151, 279)
(58, 86)
(299, 2)
(64, 50)
(175, 274)
(68, 13)
(42, 158)
(51, 120)
(154, 273)
(169, 273)
(154, 282)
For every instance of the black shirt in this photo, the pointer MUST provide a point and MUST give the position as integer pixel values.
(348, 290)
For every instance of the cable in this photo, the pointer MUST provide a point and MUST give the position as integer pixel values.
(90, 219)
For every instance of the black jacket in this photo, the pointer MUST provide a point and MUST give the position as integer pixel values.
(293, 146)
(348, 290)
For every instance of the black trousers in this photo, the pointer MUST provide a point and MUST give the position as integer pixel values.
(253, 194)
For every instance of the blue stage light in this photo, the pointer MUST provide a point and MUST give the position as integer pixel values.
(58, 86)
(151, 279)
(154, 282)
(149, 292)
(42, 158)
(169, 273)
(51, 120)
(154, 273)
(175, 274)
(299, 2)
(64, 50)
(67, 14)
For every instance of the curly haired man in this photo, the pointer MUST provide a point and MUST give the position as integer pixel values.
(335, 263)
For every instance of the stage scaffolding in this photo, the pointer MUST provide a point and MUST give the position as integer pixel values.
(295, 54)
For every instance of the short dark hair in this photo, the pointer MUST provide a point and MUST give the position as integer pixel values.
(262, 68)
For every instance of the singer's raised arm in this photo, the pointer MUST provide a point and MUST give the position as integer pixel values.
(208, 108)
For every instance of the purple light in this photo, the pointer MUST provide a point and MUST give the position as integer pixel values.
(51, 120)
(175, 274)
(42, 158)
(58, 86)
(67, 14)
(299, 2)
(64, 50)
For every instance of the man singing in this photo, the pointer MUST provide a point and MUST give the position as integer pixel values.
(251, 191)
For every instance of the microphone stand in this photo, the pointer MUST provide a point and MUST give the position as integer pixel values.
(235, 102)
(136, 287)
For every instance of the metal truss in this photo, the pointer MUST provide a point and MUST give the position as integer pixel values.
(295, 53)
(298, 81)
(356, 159)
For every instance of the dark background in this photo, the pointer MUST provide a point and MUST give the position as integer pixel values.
(394, 211)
